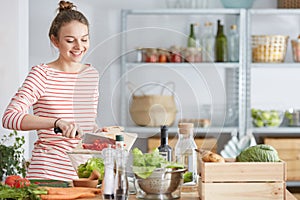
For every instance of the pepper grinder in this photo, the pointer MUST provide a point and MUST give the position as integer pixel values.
(121, 181)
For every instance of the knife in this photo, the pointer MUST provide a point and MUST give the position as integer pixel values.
(58, 130)
(89, 138)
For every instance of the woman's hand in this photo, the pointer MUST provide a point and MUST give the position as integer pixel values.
(69, 129)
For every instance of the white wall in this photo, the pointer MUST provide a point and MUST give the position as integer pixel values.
(14, 54)
(104, 16)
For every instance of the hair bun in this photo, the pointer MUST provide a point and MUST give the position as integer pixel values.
(65, 5)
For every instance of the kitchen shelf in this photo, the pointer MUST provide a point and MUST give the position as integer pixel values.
(234, 73)
(151, 131)
(274, 11)
(275, 65)
(276, 130)
(266, 14)
(220, 11)
(178, 65)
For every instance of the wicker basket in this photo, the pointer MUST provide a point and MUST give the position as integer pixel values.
(269, 48)
(153, 109)
(288, 4)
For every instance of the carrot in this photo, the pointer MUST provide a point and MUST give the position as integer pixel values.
(71, 190)
(67, 197)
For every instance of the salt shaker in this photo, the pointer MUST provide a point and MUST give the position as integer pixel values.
(108, 181)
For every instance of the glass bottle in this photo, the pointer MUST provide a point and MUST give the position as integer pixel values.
(192, 37)
(208, 43)
(164, 148)
(233, 44)
(185, 150)
(221, 52)
(120, 142)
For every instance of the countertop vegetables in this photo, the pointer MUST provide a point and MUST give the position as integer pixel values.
(145, 164)
(208, 156)
(70, 193)
(10, 180)
(30, 192)
(258, 153)
(187, 177)
(85, 170)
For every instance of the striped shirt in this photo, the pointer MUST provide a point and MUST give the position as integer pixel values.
(55, 94)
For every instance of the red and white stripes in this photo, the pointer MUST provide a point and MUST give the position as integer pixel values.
(55, 94)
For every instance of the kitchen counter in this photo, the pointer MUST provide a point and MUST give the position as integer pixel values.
(195, 196)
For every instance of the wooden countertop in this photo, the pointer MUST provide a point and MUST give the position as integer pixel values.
(195, 196)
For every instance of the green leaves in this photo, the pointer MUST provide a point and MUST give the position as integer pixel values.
(31, 192)
(145, 164)
(85, 170)
(12, 157)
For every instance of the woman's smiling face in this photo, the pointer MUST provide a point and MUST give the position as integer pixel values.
(72, 42)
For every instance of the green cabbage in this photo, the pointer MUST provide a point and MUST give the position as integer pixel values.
(258, 153)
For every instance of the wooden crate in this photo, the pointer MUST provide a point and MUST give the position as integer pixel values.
(289, 151)
(204, 143)
(242, 180)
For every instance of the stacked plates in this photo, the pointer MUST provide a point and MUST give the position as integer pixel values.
(235, 146)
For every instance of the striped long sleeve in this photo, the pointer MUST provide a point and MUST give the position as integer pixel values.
(56, 94)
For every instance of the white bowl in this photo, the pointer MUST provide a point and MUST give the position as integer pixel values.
(237, 3)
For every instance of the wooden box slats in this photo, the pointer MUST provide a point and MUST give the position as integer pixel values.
(243, 180)
(289, 151)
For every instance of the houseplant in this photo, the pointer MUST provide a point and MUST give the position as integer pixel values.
(12, 156)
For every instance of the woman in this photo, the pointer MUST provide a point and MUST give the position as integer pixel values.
(63, 93)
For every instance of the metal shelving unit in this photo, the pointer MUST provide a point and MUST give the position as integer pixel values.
(280, 131)
(291, 132)
(235, 72)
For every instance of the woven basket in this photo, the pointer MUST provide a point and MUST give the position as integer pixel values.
(269, 48)
(153, 110)
(288, 4)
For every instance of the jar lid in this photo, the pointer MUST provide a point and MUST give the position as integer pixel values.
(185, 125)
(119, 138)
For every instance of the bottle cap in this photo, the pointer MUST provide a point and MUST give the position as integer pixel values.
(164, 127)
(119, 138)
(185, 125)
(164, 131)
(184, 128)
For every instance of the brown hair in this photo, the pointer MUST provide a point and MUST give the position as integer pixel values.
(66, 13)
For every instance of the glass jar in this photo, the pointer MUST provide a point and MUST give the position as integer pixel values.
(185, 151)
(162, 56)
(150, 55)
(175, 54)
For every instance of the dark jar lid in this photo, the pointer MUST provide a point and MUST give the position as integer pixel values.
(119, 138)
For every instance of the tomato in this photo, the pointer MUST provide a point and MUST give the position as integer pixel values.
(22, 182)
(10, 180)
